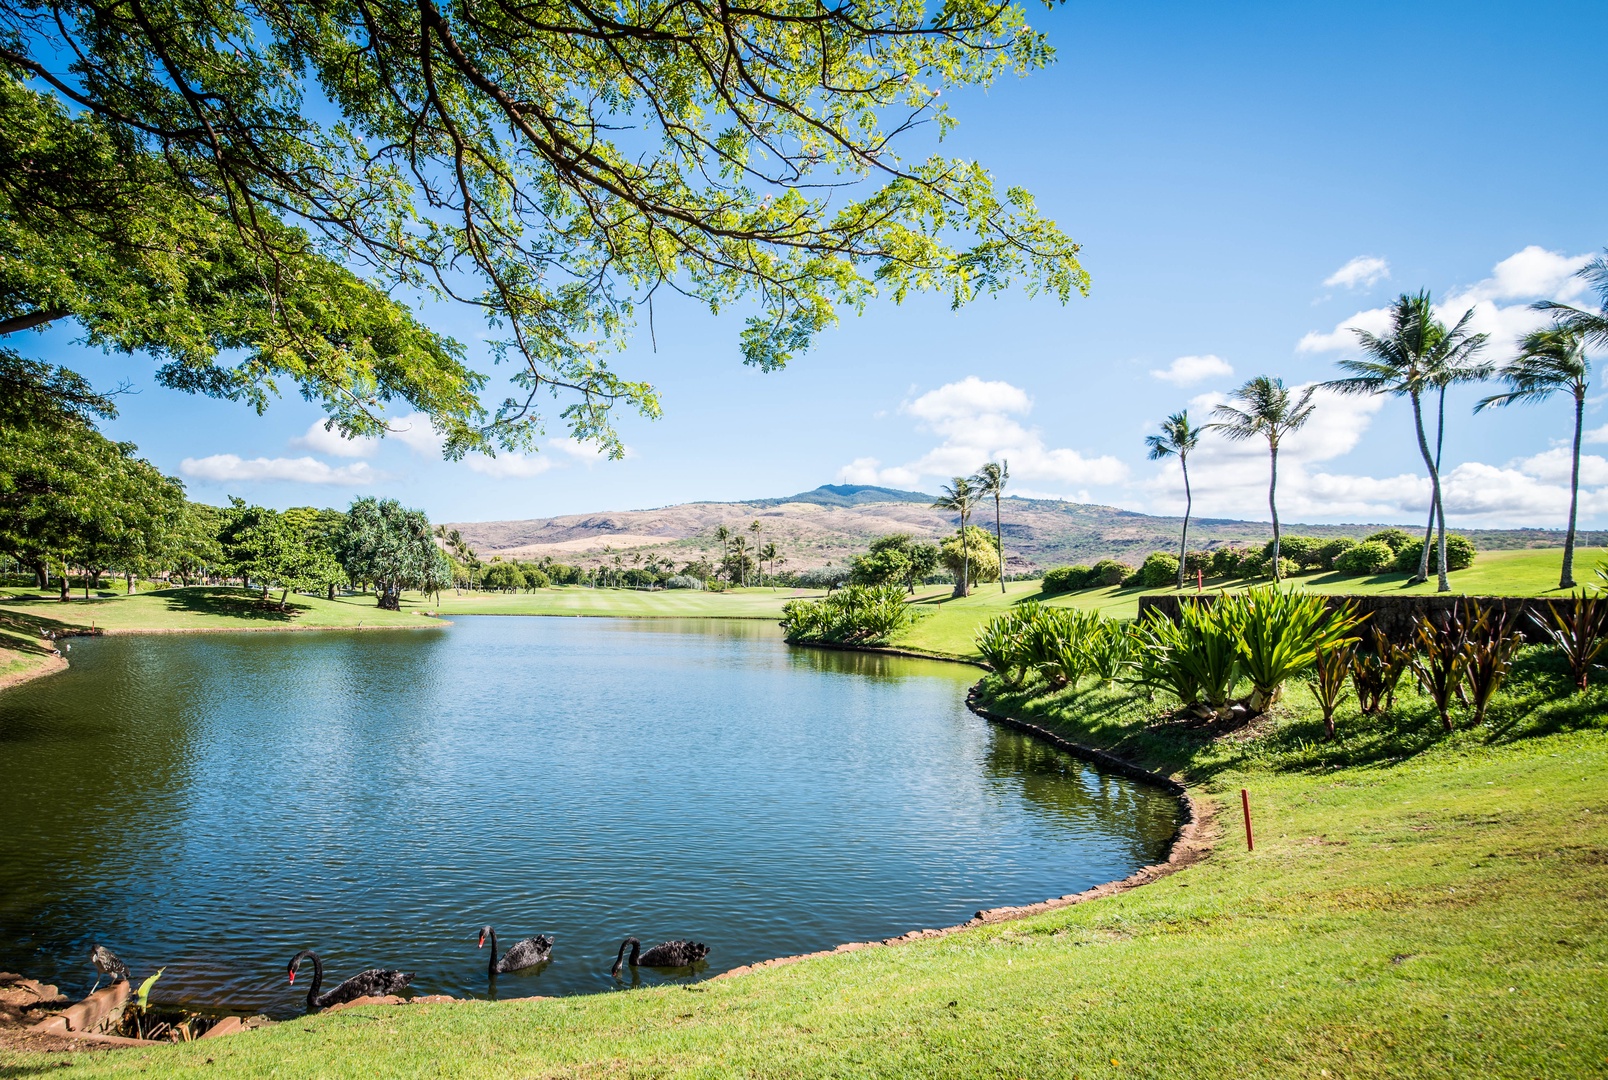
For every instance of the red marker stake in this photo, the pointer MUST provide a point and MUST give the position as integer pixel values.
(1245, 801)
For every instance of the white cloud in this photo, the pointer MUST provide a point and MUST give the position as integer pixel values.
(1362, 271)
(1528, 275)
(416, 433)
(976, 420)
(1187, 370)
(508, 466)
(1596, 435)
(226, 468)
(329, 440)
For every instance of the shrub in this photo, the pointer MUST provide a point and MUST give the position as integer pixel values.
(536, 579)
(1198, 562)
(1195, 659)
(822, 577)
(1332, 550)
(1110, 572)
(1280, 633)
(1394, 539)
(1459, 555)
(854, 614)
(1067, 579)
(1226, 561)
(683, 581)
(1301, 550)
(1368, 557)
(1160, 570)
(1059, 645)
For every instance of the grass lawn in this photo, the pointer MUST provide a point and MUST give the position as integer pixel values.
(751, 603)
(948, 626)
(1417, 905)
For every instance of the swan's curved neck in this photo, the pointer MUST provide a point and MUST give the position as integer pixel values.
(491, 961)
(318, 977)
(619, 957)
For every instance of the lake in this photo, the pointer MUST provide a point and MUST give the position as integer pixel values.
(212, 803)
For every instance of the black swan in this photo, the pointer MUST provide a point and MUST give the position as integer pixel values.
(107, 963)
(376, 982)
(520, 955)
(669, 954)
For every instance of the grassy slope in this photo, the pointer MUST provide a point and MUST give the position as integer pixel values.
(1416, 906)
(948, 626)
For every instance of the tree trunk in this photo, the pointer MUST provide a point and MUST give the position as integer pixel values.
(1434, 486)
(999, 542)
(130, 579)
(283, 596)
(389, 601)
(1566, 581)
(41, 576)
(1183, 541)
(331, 594)
(965, 561)
(1272, 504)
(63, 597)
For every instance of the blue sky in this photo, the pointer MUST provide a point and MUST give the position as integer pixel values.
(1247, 180)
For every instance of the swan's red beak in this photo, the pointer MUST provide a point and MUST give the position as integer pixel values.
(293, 978)
(482, 944)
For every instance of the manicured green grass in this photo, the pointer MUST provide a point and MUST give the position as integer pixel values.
(751, 603)
(949, 626)
(199, 607)
(1417, 905)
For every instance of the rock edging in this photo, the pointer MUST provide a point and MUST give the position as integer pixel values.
(1191, 843)
(885, 650)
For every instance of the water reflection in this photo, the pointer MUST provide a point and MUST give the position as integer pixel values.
(216, 803)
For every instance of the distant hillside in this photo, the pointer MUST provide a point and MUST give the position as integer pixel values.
(835, 521)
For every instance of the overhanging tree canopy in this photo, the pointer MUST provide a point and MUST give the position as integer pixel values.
(557, 162)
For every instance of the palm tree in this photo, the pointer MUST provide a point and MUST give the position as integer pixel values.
(1178, 437)
(1417, 354)
(755, 529)
(723, 534)
(1269, 410)
(961, 498)
(991, 480)
(1592, 326)
(1551, 360)
(768, 554)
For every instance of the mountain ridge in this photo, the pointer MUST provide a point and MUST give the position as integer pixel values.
(835, 521)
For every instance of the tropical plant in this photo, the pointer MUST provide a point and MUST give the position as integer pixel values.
(1439, 660)
(392, 546)
(1109, 645)
(1267, 410)
(1329, 669)
(1280, 633)
(999, 644)
(1490, 644)
(1195, 658)
(1178, 437)
(1416, 355)
(991, 480)
(854, 614)
(1579, 630)
(1376, 668)
(960, 497)
(767, 555)
(971, 553)
(1549, 361)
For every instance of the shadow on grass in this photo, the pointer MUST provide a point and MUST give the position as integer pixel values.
(1536, 700)
(229, 603)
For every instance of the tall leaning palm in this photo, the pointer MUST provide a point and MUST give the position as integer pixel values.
(991, 479)
(1416, 355)
(960, 498)
(1267, 409)
(1178, 437)
(1549, 361)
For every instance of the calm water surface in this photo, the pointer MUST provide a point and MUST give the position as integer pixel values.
(212, 803)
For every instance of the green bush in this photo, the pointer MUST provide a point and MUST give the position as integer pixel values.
(536, 579)
(1198, 562)
(1459, 555)
(1332, 550)
(1368, 557)
(1058, 645)
(1226, 561)
(1159, 570)
(1067, 579)
(683, 581)
(1394, 539)
(854, 614)
(1301, 550)
(1111, 572)
(981, 554)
